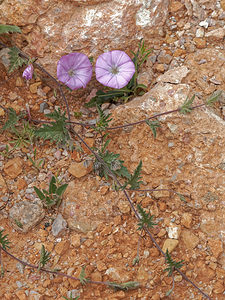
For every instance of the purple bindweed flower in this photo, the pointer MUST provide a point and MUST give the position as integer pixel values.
(75, 70)
(28, 72)
(114, 69)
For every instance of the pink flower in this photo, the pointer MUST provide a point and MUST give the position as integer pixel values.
(28, 72)
(114, 69)
(75, 70)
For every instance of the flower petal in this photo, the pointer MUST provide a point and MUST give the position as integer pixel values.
(28, 72)
(80, 65)
(108, 61)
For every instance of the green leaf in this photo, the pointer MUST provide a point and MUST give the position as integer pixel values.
(9, 29)
(103, 121)
(57, 131)
(52, 185)
(13, 119)
(153, 126)
(186, 107)
(130, 285)
(145, 219)
(82, 276)
(4, 240)
(60, 190)
(134, 180)
(16, 60)
(18, 223)
(39, 193)
(172, 265)
(213, 98)
(44, 257)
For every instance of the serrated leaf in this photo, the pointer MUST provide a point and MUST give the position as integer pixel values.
(134, 180)
(153, 126)
(213, 98)
(186, 107)
(82, 276)
(145, 219)
(13, 119)
(55, 132)
(39, 193)
(9, 29)
(4, 240)
(60, 190)
(130, 285)
(15, 59)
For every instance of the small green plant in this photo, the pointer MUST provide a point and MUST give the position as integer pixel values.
(71, 297)
(6, 153)
(82, 276)
(172, 265)
(57, 131)
(146, 220)
(53, 196)
(153, 126)
(44, 257)
(186, 107)
(113, 163)
(130, 285)
(4, 240)
(9, 29)
(37, 163)
(131, 89)
(134, 180)
(103, 121)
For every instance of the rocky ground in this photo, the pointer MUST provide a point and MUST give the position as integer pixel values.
(94, 226)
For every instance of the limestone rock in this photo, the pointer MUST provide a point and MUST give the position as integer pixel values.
(13, 167)
(216, 247)
(169, 244)
(25, 215)
(59, 225)
(190, 239)
(174, 75)
(80, 169)
(216, 34)
(100, 25)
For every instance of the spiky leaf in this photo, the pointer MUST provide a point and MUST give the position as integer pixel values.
(15, 59)
(134, 180)
(153, 126)
(172, 264)
(130, 285)
(213, 98)
(4, 240)
(82, 276)
(44, 257)
(9, 29)
(146, 219)
(186, 107)
(13, 119)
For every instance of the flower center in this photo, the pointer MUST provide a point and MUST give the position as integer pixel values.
(71, 72)
(114, 70)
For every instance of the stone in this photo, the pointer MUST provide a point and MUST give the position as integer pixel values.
(80, 169)
(13, 167)
(26, 214)
(101, 266)
(75, 240)
(216, 247)
(59, 226)
(21, 295)
(186, 220)
(34, 87)
(43, 106)
(62, 247)
(190, 239)
(175, 6)
(3, 186)
(2, 112)
(170, 244)
(21, 184)
(200, 43)
(122, 22)
(222, 3)
(19, 81)
(216, 34)
(174, 75)
(173, 231)
(219, 287)
(4, 56)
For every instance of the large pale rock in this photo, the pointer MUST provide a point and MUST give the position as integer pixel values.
(190, 239)
(188, 151)
(54, 28)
